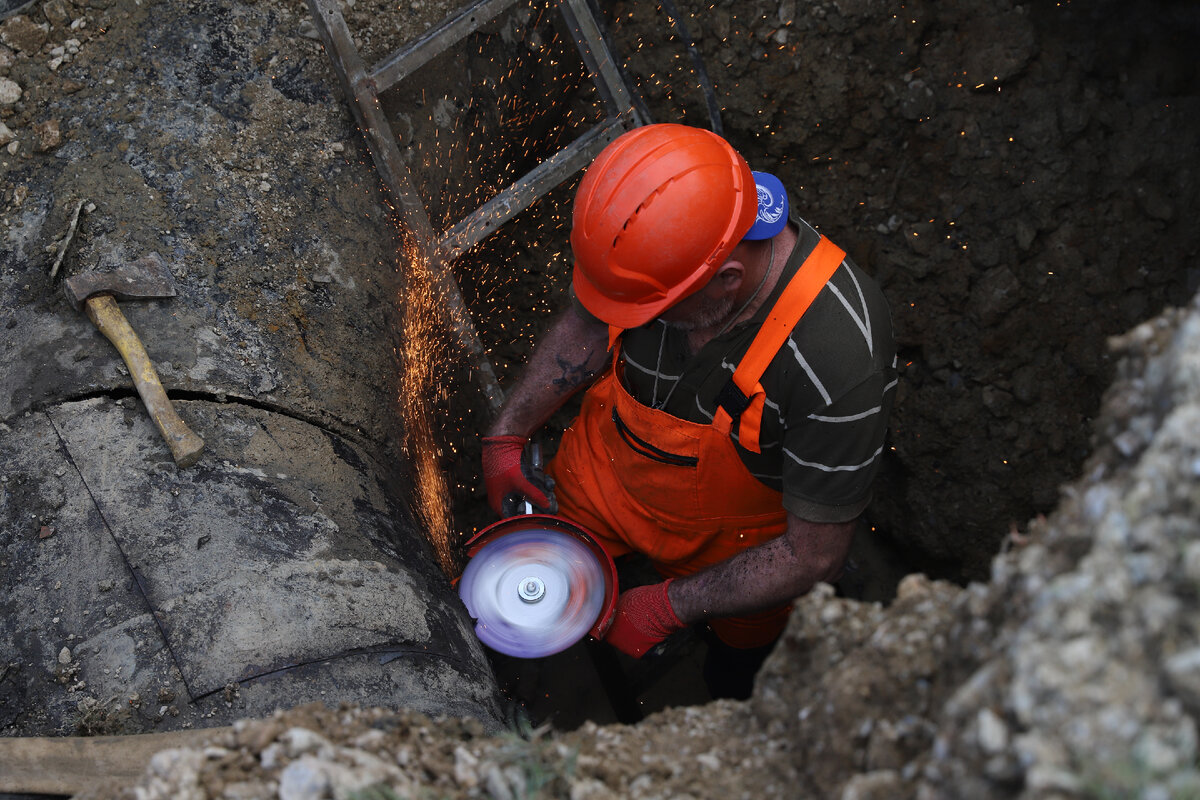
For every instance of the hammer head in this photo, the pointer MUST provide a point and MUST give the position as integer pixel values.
(148, 278)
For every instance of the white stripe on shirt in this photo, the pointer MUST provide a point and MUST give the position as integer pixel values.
(863, 322)
(808, 370)
(828, 468)
(662, 376)
(851, 418)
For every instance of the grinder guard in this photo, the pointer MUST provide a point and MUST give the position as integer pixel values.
(533, 583)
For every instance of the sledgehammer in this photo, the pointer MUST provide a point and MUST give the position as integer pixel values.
(95, 294)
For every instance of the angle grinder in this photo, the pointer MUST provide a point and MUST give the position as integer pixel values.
(536, 584)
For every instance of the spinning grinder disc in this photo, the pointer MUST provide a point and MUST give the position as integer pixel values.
(534, 591)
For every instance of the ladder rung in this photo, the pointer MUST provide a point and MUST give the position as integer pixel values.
(477, 226)
(408, 59)
(363, 87)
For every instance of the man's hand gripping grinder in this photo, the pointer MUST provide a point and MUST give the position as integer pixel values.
(537, 583)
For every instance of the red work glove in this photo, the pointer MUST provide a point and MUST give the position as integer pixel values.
(644, 618)
(504, 475)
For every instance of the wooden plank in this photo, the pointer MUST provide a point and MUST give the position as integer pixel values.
(70, 764)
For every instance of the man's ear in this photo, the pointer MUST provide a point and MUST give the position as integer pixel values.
(730, 276)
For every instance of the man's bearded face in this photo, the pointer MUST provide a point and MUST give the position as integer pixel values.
(698, 312)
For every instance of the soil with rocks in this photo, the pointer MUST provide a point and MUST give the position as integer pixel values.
(1017, 177)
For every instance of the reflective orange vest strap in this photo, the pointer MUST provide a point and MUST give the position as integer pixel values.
(743, 396)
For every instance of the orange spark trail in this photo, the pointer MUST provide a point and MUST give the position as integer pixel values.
(419, 387)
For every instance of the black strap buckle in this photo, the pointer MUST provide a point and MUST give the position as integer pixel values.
(732, 399)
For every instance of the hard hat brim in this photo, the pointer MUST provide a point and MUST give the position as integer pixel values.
(632, 314)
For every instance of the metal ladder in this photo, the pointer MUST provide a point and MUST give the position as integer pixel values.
(364, 84)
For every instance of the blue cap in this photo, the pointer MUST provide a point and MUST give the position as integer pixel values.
(772, 207)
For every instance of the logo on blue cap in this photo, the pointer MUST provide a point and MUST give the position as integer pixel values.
(772, 207)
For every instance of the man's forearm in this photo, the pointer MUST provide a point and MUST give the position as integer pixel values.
(567, 358)
(765, 576)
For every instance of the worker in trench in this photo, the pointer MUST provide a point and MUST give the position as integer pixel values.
(739, 373)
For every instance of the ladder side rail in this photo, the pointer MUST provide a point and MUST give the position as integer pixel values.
(381, 139)
(599, 60)
(411, 57)
(386, 154)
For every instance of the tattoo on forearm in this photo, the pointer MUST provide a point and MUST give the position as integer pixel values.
(573, 375)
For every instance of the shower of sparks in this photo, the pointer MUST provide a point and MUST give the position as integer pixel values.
(469, 148)
(422, 360)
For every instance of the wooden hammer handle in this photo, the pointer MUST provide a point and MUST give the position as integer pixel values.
(185, 445)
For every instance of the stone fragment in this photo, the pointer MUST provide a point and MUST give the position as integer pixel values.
(591, 789)
(1003, 44)
(23, 34)
(180, 766)
(308, 30)
(466, 768)
(1026, 233)
(993, 732)
(304, 779)
(58, 12)
(920, 237)
(918, 102)
(997, 293)
(877, 785)
(1154, 203)
(1183, 676)
(10, 92)
(1191, 561)
(302, 740)
(49, 135)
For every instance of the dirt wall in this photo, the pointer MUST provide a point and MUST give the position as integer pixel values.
(1016, 176)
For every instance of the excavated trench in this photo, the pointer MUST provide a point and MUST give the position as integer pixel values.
(1017, 177)
(1014, 176)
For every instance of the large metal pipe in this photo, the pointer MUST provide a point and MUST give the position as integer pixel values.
(276, 572)
(288, 565)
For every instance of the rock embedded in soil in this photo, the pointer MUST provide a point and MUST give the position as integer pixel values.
(10, 92)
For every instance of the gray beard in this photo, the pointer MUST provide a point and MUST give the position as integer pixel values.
(709, 315)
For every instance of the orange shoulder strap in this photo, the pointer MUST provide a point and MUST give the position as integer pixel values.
(743, 396)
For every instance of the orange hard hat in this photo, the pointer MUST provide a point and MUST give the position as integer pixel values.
(656, 215)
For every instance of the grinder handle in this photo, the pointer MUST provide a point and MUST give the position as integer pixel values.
(185, 445)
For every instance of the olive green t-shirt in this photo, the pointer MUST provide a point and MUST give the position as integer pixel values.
(829, 389)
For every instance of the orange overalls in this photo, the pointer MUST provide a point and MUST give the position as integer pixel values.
(642, 480)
